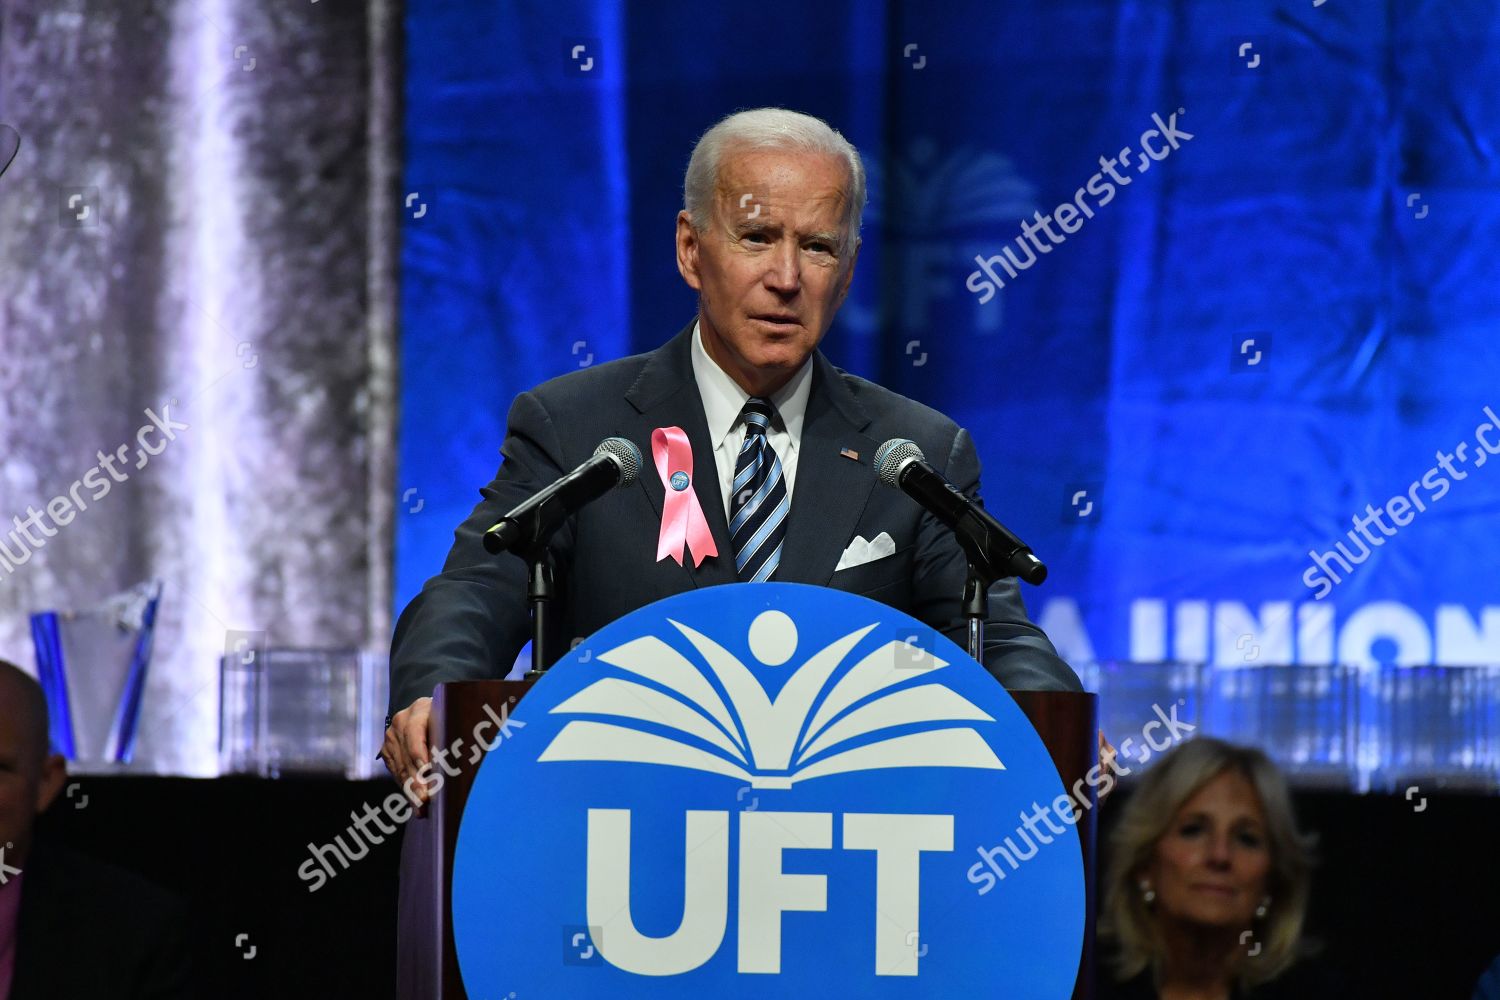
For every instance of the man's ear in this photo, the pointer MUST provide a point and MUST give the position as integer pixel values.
(687, 251)
(54, 776)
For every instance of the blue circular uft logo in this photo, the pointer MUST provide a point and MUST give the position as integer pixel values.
(680, 481)
(765, 788)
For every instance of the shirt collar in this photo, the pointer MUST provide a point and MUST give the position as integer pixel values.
(724, 399)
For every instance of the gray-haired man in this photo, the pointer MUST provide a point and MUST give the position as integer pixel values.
(783, 441)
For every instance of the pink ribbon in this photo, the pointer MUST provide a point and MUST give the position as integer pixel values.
(682, 520)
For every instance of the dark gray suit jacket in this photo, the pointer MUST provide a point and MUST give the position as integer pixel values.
(471, 620)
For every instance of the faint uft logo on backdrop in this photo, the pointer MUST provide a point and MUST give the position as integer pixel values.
(938, 210)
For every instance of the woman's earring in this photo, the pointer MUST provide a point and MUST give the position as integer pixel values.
(1147, 893)
(1263, 908)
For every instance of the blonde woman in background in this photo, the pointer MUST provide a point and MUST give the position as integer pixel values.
(1207, 885)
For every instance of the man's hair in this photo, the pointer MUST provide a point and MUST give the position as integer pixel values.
(1128, 920)
(33, 705)
(770, 128)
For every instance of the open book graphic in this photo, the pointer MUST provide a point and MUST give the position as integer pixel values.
(766, 743)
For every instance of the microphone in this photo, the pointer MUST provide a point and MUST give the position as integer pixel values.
(616, 462)
(989, 544)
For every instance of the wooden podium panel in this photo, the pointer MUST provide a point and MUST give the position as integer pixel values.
(1068, 723)
(426, 962)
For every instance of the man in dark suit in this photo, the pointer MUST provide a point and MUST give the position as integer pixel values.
(71, 927)
(781, 441)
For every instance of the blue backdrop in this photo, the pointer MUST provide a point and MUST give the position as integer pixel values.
(1286, 317)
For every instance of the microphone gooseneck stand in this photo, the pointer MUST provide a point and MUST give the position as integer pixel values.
(540, 595)
(982, 573)
(976, 609)
(990, 549)
(985, 570)
(527, 539)
(526, 530)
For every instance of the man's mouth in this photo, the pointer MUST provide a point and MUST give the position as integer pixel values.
(777, 319)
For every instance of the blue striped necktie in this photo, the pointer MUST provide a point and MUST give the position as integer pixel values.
(758, 499)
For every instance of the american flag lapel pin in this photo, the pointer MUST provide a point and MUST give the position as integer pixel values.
(849, 453)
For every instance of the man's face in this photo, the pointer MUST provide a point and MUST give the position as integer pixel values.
(1212, 865)
(769, 269)
(29, 779)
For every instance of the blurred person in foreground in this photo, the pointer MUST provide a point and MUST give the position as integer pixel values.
(1206, 888)
(70, 927)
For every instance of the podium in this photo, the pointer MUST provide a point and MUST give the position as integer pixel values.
(427, 963)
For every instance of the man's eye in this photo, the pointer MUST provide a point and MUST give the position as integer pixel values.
(754, 236)
(820, 247)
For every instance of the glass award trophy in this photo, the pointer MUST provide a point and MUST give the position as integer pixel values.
(92, 666)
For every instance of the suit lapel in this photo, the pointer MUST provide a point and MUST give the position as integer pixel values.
(831, 489)
(666, 395)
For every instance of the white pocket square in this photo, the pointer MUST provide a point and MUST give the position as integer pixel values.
(861, 551)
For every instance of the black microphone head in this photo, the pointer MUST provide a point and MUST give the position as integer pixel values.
(626, 454)
(892, 457)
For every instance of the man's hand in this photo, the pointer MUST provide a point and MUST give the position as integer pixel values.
(405, 750)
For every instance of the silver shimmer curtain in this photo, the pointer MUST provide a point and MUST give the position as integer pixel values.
(199, 230)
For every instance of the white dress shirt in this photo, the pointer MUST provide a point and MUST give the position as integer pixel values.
(723, 399)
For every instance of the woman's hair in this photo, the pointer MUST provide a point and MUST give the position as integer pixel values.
(1153, 807)
(770, 128)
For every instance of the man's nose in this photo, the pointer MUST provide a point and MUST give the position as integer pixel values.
(783, 272)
